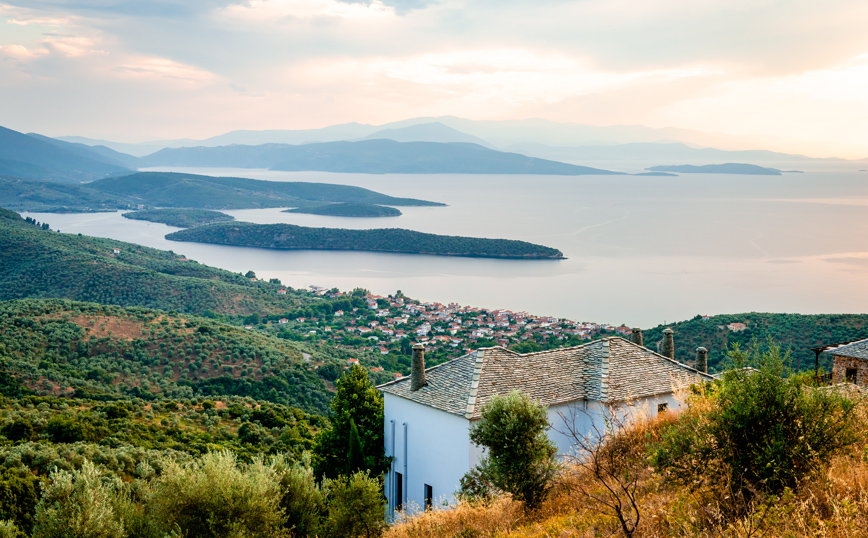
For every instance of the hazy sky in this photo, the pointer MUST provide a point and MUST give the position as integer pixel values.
(139, 69)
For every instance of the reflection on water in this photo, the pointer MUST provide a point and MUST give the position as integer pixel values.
(641, 250)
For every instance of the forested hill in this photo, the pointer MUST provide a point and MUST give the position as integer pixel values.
(289, 236)
(41, 263)
(797, 332)
(86, 350)
(169, 189)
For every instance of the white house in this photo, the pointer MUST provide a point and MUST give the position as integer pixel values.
(428, 415)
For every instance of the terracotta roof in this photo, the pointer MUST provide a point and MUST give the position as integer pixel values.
(608, 370)
(856, 350)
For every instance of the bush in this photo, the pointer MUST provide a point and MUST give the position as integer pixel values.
(77, 504)
(356, 507)
(302, 500)
(521, 457)
(217, 497)
(756, 430)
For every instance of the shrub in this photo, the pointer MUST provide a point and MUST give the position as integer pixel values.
(356, 507)
(77, 504)
(301, 499)
(756, 430)
(521, 457)
(217, 497)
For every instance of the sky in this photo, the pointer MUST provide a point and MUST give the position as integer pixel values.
(792, 72)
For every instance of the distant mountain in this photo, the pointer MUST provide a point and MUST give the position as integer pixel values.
(32, 157)
(728, 168)
(49, 196)
(100, 153)
(425, 132)
(371, 157)
(653, 153)
(136, 150)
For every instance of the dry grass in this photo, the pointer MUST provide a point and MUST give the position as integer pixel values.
(832, 504)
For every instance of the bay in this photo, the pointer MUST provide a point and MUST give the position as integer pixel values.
(640, 250)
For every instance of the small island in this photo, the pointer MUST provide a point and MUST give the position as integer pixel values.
(727, 168)
(347, 209)
(179, 218)
(291, 237)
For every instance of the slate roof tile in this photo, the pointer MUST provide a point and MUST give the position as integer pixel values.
(607, 370)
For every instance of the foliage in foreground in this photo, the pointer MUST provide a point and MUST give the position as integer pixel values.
(214, 496)
(520, 456)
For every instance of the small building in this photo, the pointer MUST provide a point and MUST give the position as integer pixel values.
(427, 417)
(116, 251)
(850, 362)
(736, 327)
(281, 292)
(283, 320)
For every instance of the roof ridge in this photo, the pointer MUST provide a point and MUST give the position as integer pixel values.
(474, 384)
(406, 378)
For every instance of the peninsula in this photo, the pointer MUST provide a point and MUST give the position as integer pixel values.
(347, 210)
(179, 218)
(291, 237)
(727, 168)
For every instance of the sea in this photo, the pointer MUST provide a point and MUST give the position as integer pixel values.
(639, 250)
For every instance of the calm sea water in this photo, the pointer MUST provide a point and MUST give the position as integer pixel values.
(641, 250)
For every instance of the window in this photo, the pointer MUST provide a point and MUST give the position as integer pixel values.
(851, 375)
(662, 407)
(399, 492)
(429, 497)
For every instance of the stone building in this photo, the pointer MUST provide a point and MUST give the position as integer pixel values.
(850, 363)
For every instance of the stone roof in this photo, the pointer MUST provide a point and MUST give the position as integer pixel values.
(856, 350)
(607, 370)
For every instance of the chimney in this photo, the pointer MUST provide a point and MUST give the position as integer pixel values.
(636, 337)
(701, 360)
(668, 344)
(417, 368)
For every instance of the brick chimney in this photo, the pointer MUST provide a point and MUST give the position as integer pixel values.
(701, 360)
(636, 337)
(668, 344)
(417, 368)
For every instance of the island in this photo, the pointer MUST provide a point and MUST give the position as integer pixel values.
(657, 174)
(727, 168)
(179, 218)
(347, 209)
(292, 237)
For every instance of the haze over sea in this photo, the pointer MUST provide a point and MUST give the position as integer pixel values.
(641, 250)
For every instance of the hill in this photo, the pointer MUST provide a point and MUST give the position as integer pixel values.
(32, 157)
(348, 210)
(179, 218)
(165, 189)
(66, 348)
(100, 153)
(288, 236)
(49, 196)
(728, 168)
(797, 332)
(37, 263)
(370, 157)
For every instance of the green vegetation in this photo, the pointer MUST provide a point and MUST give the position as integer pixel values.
(168, 189)
(797, 333)
(179, 218)
(174, 190)
(39, 263)
(59, 347)
(764, 432)
(288, 236)
(521, 457)
(47, 196)
(348, 210)
(354, 440)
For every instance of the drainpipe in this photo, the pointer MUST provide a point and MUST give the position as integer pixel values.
(392, 484)
(406, 485)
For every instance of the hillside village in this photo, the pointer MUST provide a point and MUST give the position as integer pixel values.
(390, 325)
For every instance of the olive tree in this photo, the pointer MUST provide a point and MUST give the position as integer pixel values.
(520, 456)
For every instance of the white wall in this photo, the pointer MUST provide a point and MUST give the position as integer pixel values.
(439, 451)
